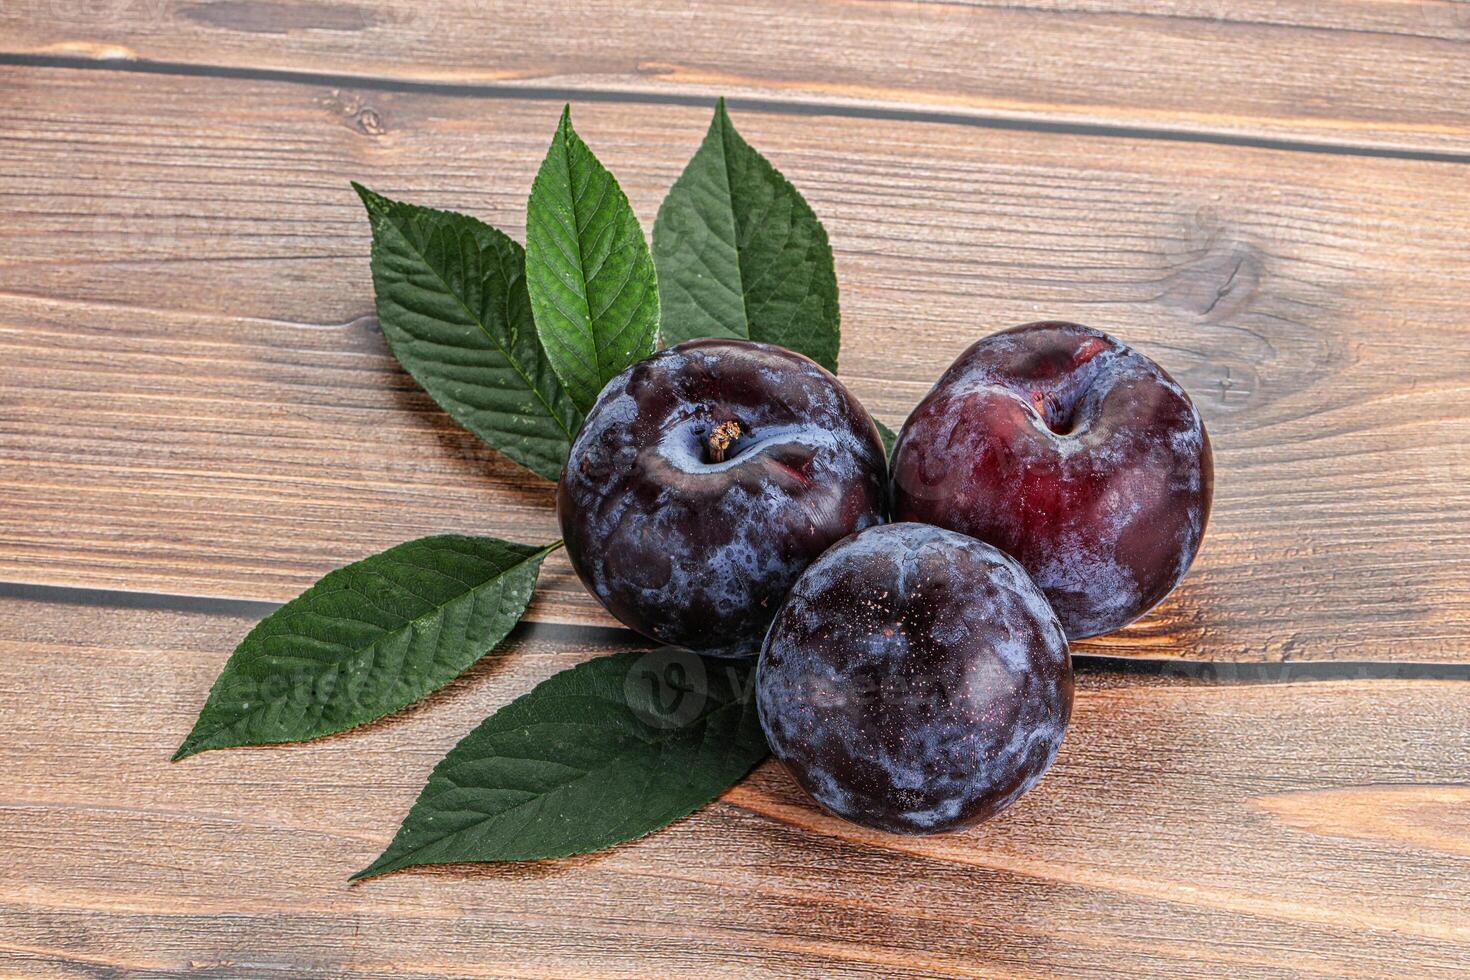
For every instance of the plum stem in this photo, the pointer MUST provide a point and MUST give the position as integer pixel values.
(724, 435)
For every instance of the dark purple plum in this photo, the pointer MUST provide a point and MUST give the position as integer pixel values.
(704, 481)
(1074, 454)
(915, 680)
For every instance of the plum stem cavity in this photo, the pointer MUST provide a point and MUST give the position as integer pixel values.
(1060, 403)
(1059, 415)
(721, 438)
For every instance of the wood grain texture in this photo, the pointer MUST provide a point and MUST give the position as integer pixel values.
(197, 399)
(1185, 831)
(1386, 74)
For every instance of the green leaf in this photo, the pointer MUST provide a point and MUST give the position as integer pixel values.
(591, 279)
(741, 254)
(452, 302)
(599, 754)
(367, 640)
(888, 436)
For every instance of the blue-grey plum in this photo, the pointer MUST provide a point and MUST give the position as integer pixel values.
(704, 481)
(1071, 452)
(915, 680)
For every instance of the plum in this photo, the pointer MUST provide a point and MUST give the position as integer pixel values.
(1073, 453)
(915, 680)
(703, 482)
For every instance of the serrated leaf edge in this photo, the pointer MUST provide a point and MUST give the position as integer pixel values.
(191, 745)
(563, 141)
(380, 866)
(727, 132)
(383, 216)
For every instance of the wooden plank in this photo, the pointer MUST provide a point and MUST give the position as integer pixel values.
(1360, 73)
(1301, 829)
(196, 398)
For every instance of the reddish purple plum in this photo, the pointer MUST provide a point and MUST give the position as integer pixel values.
(704, 481)
(915, 680)
(1071, 452)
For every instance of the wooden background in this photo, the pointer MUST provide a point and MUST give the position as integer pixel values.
(1268, 776)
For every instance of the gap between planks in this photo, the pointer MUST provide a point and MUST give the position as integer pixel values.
(790, 107)
(1170, 669)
